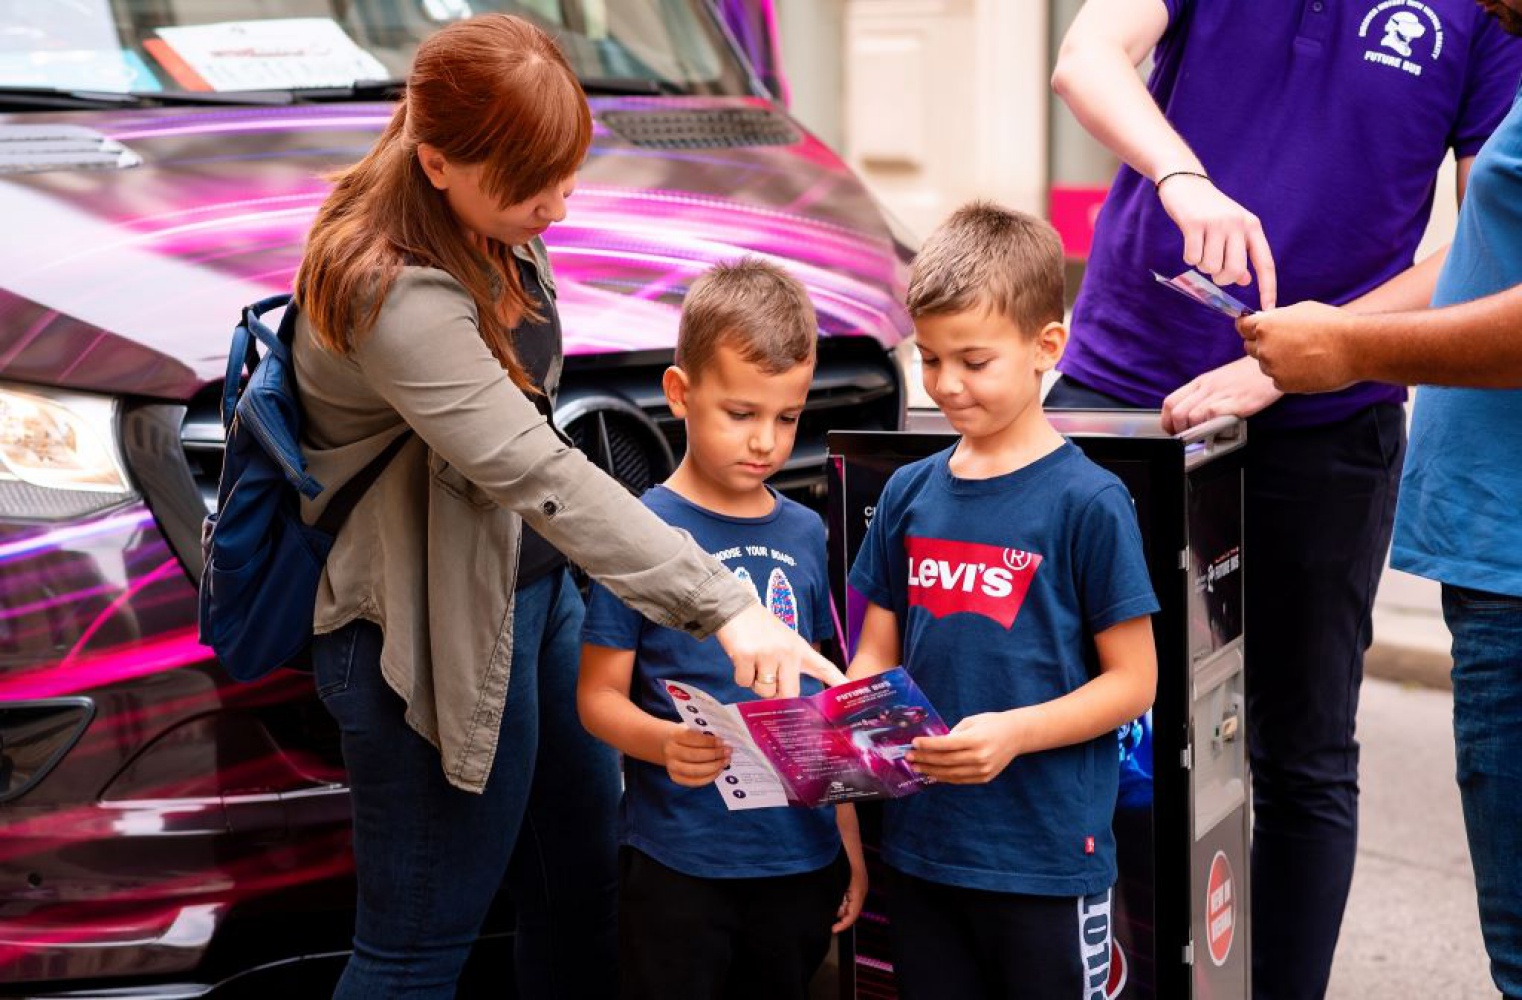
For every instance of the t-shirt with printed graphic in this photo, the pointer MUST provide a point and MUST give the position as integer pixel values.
(999, 586)
(782, 555)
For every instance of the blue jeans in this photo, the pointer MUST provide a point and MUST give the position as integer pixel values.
(430, 857)
(1487, 733)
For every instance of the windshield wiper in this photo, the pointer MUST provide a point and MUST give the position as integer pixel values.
(69, 99)
(641, 86)
(359, 90)
(173, 98)
(63, 99)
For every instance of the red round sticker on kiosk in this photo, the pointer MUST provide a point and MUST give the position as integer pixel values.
(1220, 909)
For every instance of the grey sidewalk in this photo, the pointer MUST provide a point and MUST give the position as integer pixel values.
(1410, 640)
(1411, 929)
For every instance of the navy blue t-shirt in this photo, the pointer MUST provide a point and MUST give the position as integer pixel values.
(999, 586)
(1326, 118)
(781, 555)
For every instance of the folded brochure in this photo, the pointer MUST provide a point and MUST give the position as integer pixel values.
(842, 744)
(1195, 286)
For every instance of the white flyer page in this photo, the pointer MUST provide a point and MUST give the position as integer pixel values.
(748, 782)
(267, 55)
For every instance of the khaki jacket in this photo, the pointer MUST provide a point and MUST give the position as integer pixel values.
(430, 553)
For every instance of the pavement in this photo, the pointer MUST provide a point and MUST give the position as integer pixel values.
(1410, 640)
(1411, 928)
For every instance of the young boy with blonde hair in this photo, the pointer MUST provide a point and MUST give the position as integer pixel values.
(1006, 574)
(713, 903)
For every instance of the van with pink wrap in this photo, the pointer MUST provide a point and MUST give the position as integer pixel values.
(165, 831)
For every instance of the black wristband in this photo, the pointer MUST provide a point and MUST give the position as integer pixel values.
(1157, 185)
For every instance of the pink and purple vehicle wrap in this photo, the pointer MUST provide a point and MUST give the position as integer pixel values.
(163, 829)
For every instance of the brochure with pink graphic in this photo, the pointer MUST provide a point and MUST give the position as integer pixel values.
(1195, 286)
(842, 744)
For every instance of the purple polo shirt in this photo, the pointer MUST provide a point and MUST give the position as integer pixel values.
(1329, 120)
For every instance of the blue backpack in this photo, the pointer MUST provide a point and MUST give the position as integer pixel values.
(262, 562)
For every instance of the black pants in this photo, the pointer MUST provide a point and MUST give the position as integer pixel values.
(687, 938)
(1319, 506)
(977, 945)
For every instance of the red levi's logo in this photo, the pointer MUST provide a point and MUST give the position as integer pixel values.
(946, 577)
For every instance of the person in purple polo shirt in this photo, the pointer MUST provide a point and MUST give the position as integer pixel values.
(1457, 522)
(1297, 144)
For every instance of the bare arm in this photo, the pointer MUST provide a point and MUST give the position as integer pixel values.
(1096, 77)
(856, 892)
(877, 649)
(1124, 689)
(981, 746)
(1310, 347)
(602, 700)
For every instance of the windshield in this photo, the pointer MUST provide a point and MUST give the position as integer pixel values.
(152, 46)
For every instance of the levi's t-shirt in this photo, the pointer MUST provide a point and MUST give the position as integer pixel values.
(781, 555)
(999, 586)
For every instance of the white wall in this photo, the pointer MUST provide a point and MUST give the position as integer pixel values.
(812, 36)
(946, 100)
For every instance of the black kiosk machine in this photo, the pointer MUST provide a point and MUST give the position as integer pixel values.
(1182, 822)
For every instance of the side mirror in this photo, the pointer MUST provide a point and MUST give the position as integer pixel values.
(753, 24)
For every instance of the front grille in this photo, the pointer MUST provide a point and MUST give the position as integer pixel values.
(703, 128)
(855, 388)
(202, 437)
(622, 445)
(175, 453)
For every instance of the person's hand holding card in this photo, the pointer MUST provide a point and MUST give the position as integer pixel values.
(1198, 288)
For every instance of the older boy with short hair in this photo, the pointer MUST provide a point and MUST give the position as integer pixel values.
(1006, 574)
(719, 904)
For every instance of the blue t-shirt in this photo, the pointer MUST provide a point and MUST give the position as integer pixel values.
(999, 586)
(1458, 518)
(1340, 165)
(781, 555)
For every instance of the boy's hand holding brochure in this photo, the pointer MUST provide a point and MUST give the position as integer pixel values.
(838, 745)
(695, 758)
(976, 751)
(981, 746)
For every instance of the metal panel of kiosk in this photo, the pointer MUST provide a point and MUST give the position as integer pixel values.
(1182, 823)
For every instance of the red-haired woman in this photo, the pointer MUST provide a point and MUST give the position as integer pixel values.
(448, 629)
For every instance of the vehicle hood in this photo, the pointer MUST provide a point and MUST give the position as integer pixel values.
(130, 280)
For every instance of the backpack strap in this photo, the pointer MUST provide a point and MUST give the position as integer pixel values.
(348, 496)
(244, 354)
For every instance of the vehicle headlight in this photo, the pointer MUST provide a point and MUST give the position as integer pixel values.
(915, 396)
(58, 454)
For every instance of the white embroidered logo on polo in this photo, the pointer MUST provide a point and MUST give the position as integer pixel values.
(1403, 33)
